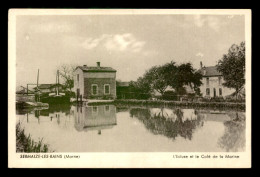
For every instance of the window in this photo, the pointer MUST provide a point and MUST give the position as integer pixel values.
(94, 89)
(219, 80)
(107, 110)
(207, 91)
(207, 81)
(106, 89)
(78, 79)
(220, 91)
(94, 110)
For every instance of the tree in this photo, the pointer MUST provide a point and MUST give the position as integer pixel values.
(67, 74)
(232, 67)
(140, 89)
(177, 76)
(156, 77)
(160, 77)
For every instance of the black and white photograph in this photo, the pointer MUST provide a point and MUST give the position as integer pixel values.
(124, 84)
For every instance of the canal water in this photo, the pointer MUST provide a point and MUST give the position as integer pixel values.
(108, 128)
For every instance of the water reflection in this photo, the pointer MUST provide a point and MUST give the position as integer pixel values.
(126, 129)
(169, 123)
(234, 138)
(94, 117)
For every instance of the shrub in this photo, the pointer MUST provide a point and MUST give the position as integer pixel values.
(70, 94)
(26, 144)
(217, 99)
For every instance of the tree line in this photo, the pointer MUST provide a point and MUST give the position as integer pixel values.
(177, 76)
(159, 78)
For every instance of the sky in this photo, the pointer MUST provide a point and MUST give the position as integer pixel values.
(131, 44)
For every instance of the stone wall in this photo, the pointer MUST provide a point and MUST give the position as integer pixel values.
(100, 83)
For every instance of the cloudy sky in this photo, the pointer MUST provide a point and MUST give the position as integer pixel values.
(130, 44)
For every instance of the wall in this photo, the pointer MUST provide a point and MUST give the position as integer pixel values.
(214, 83)
(100, 82)
(100, 75)
(86, 79)
(79, 84)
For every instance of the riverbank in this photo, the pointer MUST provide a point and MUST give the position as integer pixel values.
(186, 104)
(31, 104)
(24, 143)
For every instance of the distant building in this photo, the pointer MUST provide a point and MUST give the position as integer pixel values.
(49, 88)
(122, 90)
(212, 83)
(23, 91)
(95, 82)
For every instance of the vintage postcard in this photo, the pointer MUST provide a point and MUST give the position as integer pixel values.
(129, 88)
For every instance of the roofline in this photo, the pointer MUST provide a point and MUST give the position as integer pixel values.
(95, 70)
(212, 75)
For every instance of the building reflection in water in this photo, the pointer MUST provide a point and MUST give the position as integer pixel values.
(94, 117)
(168, 122)
(59, 113)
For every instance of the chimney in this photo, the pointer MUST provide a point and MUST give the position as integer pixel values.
(98, 64)
(204, 70)
(85, 65)
(200, 64)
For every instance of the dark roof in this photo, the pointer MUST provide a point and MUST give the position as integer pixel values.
(96, 69)
(122, 84)
(210, 71)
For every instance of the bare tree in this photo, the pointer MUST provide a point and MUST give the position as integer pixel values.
(67, 73)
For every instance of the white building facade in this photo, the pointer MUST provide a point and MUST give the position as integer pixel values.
(212, 83)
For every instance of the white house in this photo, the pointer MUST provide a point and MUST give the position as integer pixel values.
(212, 83)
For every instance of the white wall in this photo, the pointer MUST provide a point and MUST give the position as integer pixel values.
(214, 83)
(79, 84)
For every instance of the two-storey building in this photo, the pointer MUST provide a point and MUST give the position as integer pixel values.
(212, 83)
(95, 82)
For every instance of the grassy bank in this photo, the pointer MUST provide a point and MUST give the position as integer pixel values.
(24, 143)
(186, 104)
